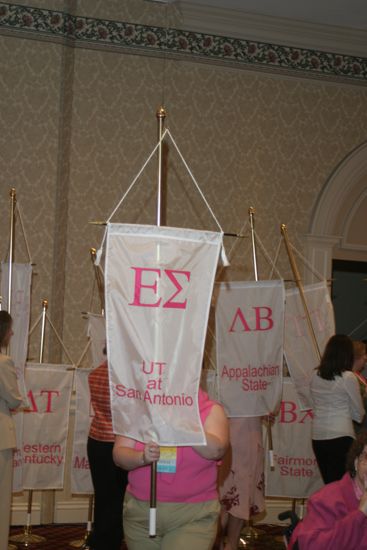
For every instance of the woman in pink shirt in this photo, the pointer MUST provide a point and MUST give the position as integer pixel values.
(187, 498)
(336, 516)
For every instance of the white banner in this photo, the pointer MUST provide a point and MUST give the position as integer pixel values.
(20, 312)
(46, 425)
(249, 334)
(81, 481)
(158, 288)
(299, 348)
(97, 334)
(18, 417)
(296, 474)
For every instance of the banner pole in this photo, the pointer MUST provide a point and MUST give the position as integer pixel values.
(298, 280)
(299, 284)
(27, 537)
(249, 532)
(251, 212)
(13, 200)
(161, 115)
(83, 543)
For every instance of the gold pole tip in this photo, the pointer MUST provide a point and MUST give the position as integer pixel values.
(251, 210)
(45, 303)
(283, 227)
(12, 192)
(93, 253)
(161, 112)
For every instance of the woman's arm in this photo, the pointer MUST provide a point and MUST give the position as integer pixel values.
(9, 389)
(216, 433)
(127, 457)
(356, 403)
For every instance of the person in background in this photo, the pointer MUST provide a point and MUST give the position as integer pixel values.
(336, 516)
(241, 478)
(360, 358)
(10, 398)
(109, 481)
(187, 498)
(336, 403)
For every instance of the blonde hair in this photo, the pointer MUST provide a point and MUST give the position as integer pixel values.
(359, 348)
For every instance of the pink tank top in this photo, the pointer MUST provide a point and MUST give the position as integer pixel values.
(195, 479)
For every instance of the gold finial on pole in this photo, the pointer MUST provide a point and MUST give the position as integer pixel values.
(161, 112)
(297, 278)
(251, 212)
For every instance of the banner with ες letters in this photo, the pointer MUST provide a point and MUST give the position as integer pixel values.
(46, 423)
(81, 481)
(295, 474)
(158, 286)
(299, 349)
(249, 334)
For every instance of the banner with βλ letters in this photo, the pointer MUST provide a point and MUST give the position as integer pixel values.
(249, 322)
(295, 474)
(158, 286)
(81, 481)
(299, 348)
(46, 423)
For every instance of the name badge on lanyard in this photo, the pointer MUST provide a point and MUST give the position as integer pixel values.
(167, 460)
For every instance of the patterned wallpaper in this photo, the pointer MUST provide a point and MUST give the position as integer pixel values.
(78, 123)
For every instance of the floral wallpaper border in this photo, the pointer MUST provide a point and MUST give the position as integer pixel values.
(173, 42)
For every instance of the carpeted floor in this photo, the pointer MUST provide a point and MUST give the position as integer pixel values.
(65, 537)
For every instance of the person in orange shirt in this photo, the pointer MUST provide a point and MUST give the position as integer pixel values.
(109, 481)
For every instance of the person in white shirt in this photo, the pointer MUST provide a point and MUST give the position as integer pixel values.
(337, 402)
(10, 398)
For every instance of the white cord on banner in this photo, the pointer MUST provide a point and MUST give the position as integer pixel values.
(232, 248)
(99, 251)
(308, 264)
(35, 324)
(59, 339)
(267, 256)
(194, 180)
(84, 352)
(358, 327)
(24, 234)
(273, 263)
(166, 131)
(241, 232)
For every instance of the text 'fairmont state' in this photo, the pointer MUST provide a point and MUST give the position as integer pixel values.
(297, 466)
(153, 373)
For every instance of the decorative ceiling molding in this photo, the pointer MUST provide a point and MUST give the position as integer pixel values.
(82, 31)
(276, 30)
